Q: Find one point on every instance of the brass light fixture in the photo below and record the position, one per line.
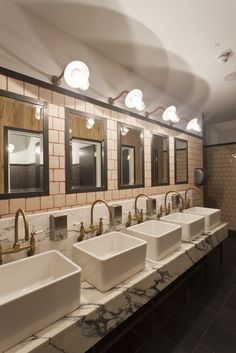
(192, 124)
(76, 75)
(133, 99)
(169, 113)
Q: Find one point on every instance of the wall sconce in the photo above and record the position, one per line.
(194, 125)
(169, 113)
(133, 99)
(76, 75)
(89, 123)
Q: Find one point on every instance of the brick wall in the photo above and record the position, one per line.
(56, 110)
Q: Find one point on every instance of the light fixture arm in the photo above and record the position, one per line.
(147, 114)
(181, 120)
(112, 100)
(56, 80)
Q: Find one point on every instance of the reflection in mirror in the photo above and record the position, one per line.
(181, 161)
(24, 147)
(85, 153)
(130, 157)
(160, 160)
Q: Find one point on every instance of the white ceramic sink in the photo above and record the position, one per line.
(212, 215)
(162, 238)
(35, 292)
(192, 225)
(110, 259)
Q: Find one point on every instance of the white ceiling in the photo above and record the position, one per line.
(171, 43)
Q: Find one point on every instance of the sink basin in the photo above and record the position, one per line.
(193, 225)
(34, 293)
(110, 259)
(212, 215)
(162, 238)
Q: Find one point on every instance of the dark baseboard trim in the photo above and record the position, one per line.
(49, 86)
(220, 144)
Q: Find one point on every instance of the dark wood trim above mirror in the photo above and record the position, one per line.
(180, 182)
(45, 191)
(68, 163)
(168, 160)
(120, 186)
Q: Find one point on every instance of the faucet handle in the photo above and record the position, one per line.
(168, 209)
(36, 232)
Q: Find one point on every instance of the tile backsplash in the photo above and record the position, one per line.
(40, 223)
(58, 199)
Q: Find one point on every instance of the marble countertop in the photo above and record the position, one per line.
(99, 312)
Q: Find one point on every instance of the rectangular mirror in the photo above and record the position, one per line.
(181, 161)
(24, 147)
(86, 166)
(130, 157)
(160, 160)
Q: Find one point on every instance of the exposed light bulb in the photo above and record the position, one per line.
(10, 148)
(76, 75)
(194, 125)
(37, 149)
(124, 130)
(37, 112)
(89, 123)
(134, 100)
(170, 114)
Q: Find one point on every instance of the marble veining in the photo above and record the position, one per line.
(99, 313)
(40, 221)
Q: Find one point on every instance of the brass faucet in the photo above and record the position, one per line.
(17, 246)
(92, 229)
(138, 215)
(187, 201)
(167, 209)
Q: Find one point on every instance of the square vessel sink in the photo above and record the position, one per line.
(34, 293)
(162, 238)
(110, 259)
(192, 225)
(212, 215)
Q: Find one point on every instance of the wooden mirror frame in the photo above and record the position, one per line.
(69, 190)
(180, 182)
(154, 183)
(44, 106)
(136, 186)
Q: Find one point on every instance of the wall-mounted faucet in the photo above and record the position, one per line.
(167, 209)
(92, 229)
(187, 201)
(17, 246)
(138, 215)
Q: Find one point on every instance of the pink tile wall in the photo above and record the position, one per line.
(56, 111)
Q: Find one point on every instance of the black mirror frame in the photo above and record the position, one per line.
(180, 182)
(81, 190)
(44, 106)
(168, 161)
(136, 186)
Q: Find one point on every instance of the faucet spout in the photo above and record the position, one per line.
(26, 225)
(92, 210)
(17, 247)
(136, 200)
(173, 192)
(187, 202)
